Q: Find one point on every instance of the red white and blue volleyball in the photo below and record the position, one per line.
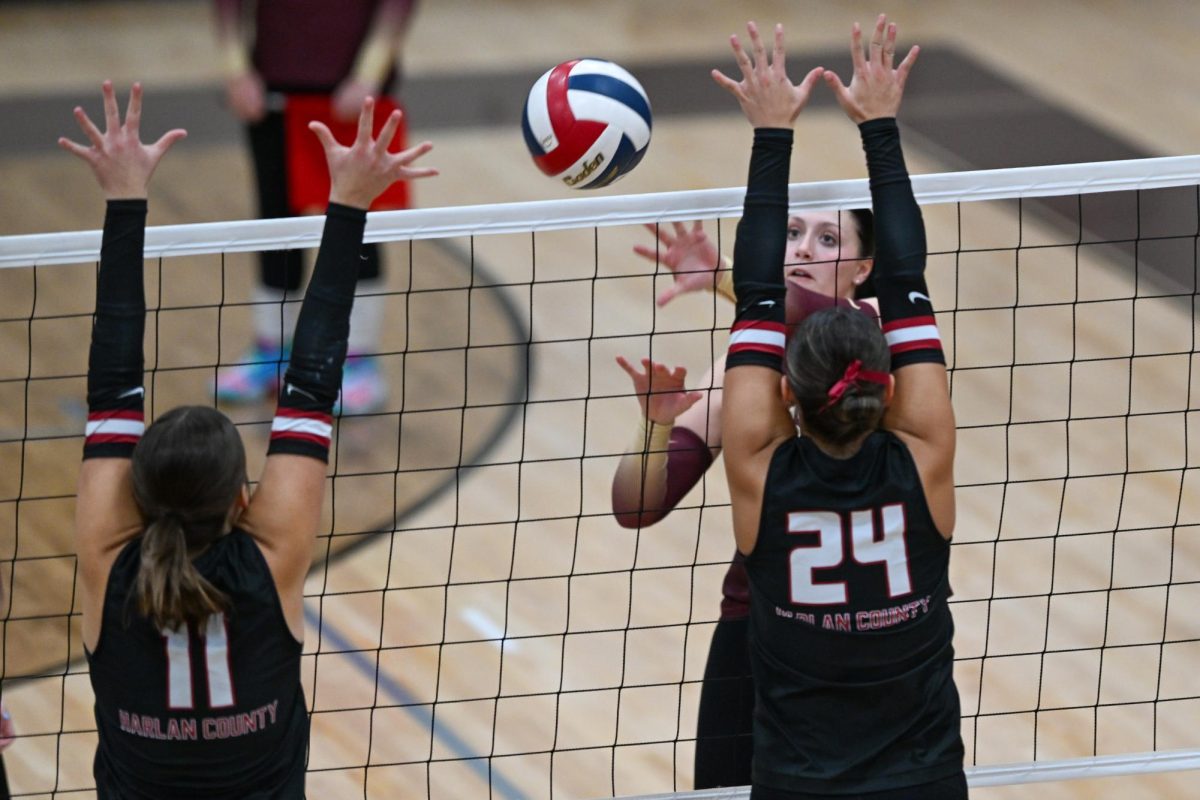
(587, 122)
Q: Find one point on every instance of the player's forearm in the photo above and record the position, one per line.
(115, 359)
(649, 483)
(302, 424)
(759, 248)
(758, 254)
(900, 250)
(900, 247)
(640, 482)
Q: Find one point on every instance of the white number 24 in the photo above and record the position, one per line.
(828, 552)
(216, 658)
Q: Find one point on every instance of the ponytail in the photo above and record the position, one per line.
(188, 471)
(170, 591)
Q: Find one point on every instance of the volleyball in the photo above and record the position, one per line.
(587, 122)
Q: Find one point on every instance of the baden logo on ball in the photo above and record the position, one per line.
(587, 122)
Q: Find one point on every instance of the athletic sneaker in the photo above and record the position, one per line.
(363, 387)
(255, 376)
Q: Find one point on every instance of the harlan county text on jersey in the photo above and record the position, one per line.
(860, 621)
(199, 728)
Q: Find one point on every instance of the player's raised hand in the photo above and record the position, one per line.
(767, 96)
(688, 253)
(876, 88)
(660, 390)
(359, 173)
(121, 163)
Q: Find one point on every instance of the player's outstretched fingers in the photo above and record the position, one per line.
(810, 80)
(133, 111)
(388, 132)
(112, 116)
(630, 369)
(366, 119)
(406, 157)
(670, 293)
(756, 46)
(856, 49)
(907, 64)
(725, 82)
(889, 46)
(324, 135)
(168, 140)
(89, 128)
(75, 149)
(877, 40)
(779, 55)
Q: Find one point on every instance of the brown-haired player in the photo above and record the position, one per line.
(845, 529)
(191, 586)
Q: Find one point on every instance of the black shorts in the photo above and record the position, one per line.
(725, 722)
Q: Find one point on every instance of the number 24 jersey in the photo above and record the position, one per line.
(850, 628)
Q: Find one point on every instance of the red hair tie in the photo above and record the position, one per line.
(853, 375)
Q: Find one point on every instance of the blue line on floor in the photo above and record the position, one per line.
(398, 694)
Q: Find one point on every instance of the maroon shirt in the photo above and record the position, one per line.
(307, 45)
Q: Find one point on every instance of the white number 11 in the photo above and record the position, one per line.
(216, 657)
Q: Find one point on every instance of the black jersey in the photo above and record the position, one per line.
(216, 713)
(850, 628)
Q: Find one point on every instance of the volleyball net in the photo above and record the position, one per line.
(479, 625)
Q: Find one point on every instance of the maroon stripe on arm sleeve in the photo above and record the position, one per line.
(688, 458)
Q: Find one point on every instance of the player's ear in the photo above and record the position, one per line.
(241, 503)
(889, 391)
(785, 392)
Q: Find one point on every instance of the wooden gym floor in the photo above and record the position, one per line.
(1029, 84)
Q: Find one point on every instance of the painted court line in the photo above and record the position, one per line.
(398, 694)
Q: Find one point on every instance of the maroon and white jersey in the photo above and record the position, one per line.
(212, 713)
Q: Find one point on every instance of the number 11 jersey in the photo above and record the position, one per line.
(850, 629)
(214, 713)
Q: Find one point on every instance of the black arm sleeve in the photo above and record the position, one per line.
(303, 422)
(115, 361)
(758, 253)
(900, 250)
(899, 228)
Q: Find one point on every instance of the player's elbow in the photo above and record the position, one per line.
(630, 514)
(637, 519)
(627, 519)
